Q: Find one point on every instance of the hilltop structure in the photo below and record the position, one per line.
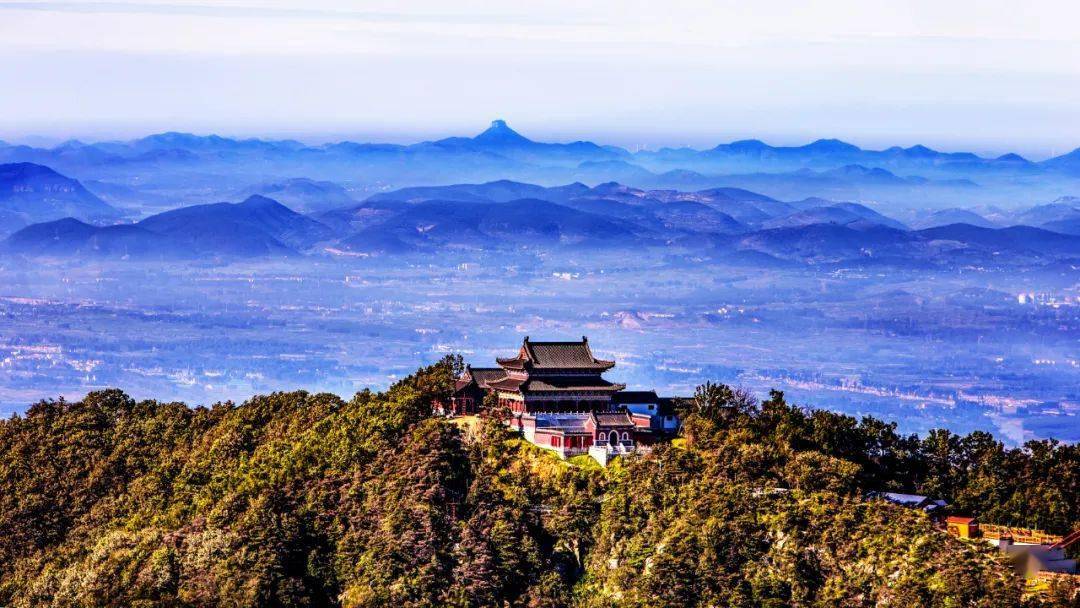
(559, 400)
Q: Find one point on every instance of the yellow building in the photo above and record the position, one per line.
(962, 527)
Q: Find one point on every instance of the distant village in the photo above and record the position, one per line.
(559, 400)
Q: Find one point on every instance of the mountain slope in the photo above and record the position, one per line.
(832, 242)
(70, 238)
(363, 215)
(495, 192)
(1066, 208)
(37, 193)
(500, 134)
(692, 216)
(1065, 226)
(1013, 238)
(1068, 163)
(467, 225)
(847, 214)
(747, 207)
(828, 241)
(304, 195)
(257, 226)
(944, 217)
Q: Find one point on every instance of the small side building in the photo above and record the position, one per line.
(931, 506)
(962, 527)
(649, 411)
(573, 433)
(469, 390)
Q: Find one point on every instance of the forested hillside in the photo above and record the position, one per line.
(294, 499)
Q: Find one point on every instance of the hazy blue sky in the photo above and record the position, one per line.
(989, 75)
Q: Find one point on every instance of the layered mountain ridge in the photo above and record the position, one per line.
(518, 217)
(256, 227)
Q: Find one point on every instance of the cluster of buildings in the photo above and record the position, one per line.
(1033, 553)
(559, 400)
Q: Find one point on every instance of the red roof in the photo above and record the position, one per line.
(955, 519)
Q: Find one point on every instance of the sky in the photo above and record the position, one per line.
(987, 75)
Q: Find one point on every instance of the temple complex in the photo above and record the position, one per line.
(559, 399)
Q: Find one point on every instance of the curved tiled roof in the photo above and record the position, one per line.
(507, 384)
(556, 383)
(613, 419)
(486, 375)
(512, 362)
(556, 355)
(566, 422)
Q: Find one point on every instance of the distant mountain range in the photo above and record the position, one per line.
(831, 152)
(501, 140)
(187, 167)
(801, 230)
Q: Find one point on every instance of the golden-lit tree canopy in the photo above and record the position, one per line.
(294, 499)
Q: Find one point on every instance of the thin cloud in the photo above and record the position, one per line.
(241, 12)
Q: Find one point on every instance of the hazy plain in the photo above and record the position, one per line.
(926, 348)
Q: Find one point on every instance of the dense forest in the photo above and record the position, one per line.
(298, 499)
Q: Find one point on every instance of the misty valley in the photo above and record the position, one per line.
(928, 288)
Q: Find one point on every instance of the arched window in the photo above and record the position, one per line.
(602, 436)
(625, 436)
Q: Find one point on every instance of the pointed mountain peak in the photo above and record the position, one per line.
(920, 150)
(500, 133)
(70, 144)
(1012, 157)
(258, 200)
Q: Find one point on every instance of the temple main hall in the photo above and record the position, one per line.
(558, 399)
